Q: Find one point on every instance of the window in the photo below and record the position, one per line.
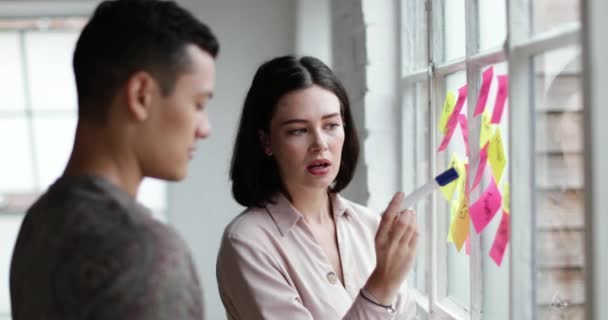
(37, 123)
(445, 46)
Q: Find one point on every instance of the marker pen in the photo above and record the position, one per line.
(439, 181)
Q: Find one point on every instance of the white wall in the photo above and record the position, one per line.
(312, 29)
(364, 47)
(250, 32)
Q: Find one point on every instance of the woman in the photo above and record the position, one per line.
(299, 250)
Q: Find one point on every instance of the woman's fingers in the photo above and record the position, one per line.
(389, 216)
(400, 226)
(413, 244)
(410, 227)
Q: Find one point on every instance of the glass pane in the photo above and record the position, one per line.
(17, 168)
(549, 14)
(152, 193)
(9, 227)
(414, 36)
(453, 29)
(496, 278)
(49, 59)
(417, 98)
(559, 185)
(12, 94)
(492, 24)
(458, 267)
(54, 137)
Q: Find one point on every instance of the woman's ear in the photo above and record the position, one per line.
(265, 142)
(140, 91)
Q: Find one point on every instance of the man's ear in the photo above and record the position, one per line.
(265, 142)
(140, 89)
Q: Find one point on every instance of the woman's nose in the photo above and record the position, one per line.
(319, 143)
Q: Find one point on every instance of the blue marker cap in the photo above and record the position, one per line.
(447, 177)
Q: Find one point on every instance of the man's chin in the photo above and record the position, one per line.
(175, 176)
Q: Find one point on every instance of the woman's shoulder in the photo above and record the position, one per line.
(252, 224)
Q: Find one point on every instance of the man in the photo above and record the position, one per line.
(145, 71)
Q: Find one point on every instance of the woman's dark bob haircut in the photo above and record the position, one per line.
(255, 176)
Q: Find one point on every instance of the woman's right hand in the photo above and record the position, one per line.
(396, 244)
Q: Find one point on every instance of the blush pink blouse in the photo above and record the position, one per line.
(271, 267)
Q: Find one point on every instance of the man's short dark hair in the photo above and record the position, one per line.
(255, 176)
(127, 36)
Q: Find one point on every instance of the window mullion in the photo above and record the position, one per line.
(29, 113)
(568, 35)
(595, 76)
(521, 150)
(64, 8)
(472, 47)
(438, 256)
(414, 77)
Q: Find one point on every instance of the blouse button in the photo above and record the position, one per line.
(332, 278)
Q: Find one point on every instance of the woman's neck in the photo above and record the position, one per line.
(314, 204)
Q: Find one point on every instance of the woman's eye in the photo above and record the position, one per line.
(333, 126)
(297, 132)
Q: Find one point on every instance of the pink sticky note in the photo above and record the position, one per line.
(447, 137)
(501, 97)
(483, 159)
(464, 128)
(483, 91)
(501, 240)
(467, 244)
(453, 120)
(484, 209)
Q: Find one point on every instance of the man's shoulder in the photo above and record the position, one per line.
(100, 250)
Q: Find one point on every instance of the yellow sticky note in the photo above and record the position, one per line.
(448, 108)
(453, 211)
(448, 189)
(506, 201)
(496, 156)
(462, 177)
(460, 225)
(487, 129)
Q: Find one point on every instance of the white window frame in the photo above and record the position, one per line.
(595, 71)
(518, 50)
(59, 9)
(523, 46)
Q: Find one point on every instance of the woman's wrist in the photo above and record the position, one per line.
(379, 291)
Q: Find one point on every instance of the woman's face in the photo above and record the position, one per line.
(306, 138)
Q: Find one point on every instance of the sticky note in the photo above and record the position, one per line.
(453, 119)
(499, 246)
(463, 172)
(454, 205)
(496, 155)
(464, 128)
(483, 158)
(460, 225)
(448, 108)
(447, 137)
(506, 200)
(484, 209)
(483, 91)
(448, 190)
(501, 97)
(487, 129)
